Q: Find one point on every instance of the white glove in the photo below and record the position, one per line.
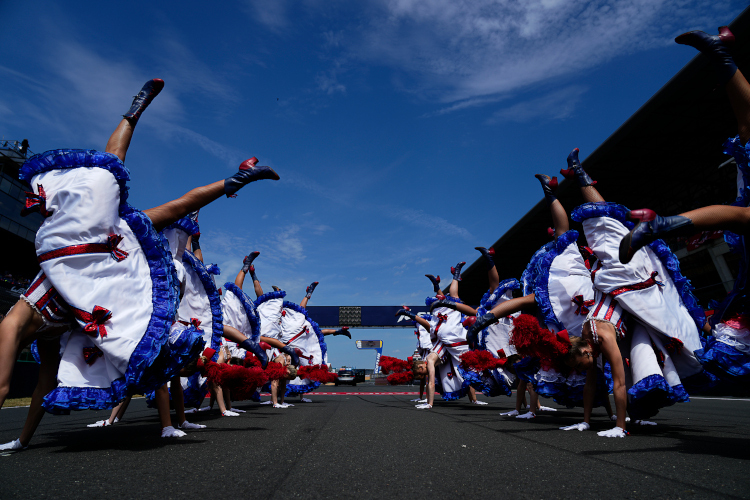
(477, 402)
(237, 410)
(205, 408)
(230, 413)
(305, 400)
(583, 426)
(14, 445)
(644, 422)
(615, 432)
(190, 410)
(188, 425)
(527, 416)
(287, 405)
(266, 403)
(546, 408)
(417, 400)
(613, 418)
(424, 406)
(509, 413)
(171, 432)
(100, 423)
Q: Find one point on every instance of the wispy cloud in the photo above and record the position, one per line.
(433, 223)
(461, 50)
(553, 106)
(230, 156)
(98, 82)
(474, 53)
(328, 83)
(271, 13)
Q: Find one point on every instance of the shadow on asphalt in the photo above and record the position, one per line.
(130, 437)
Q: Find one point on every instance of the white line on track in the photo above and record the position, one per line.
(722, 399)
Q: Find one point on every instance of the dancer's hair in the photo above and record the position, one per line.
(415, 367)
(292, 372)
(577, 345)
(511, 360)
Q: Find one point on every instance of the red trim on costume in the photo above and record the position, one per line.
(610, 311)
(91, 354)
(44, 299)
(304, 331)
(583, 305)
(441, 319)
(638, 286)
(456, 344)
(35, 284)
(588, 256)
(593, 273)
(439, 346)
(94, 320)
(673, 345)
(36, 203)
(109, 247)
(601, 303)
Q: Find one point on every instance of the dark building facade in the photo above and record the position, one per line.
(17, 254)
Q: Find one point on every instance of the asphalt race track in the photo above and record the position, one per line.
(369, 445)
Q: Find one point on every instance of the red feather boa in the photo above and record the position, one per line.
(480, 361)
(251, 360)
(531, 339)
(317, 373)
(275, 371)
(393, 365)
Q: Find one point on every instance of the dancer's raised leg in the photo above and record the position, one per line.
(575, 171)
(247, 263)
(119, 141)
(559, 217)
(651, 227)
(308, 293)
(492, 274)
(164, 215)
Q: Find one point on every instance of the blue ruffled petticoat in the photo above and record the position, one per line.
(293, 390)
(537, 278)
(652, 393)
(214, 299)
(725, 361)
(452, 396)
(143, 372)
(250, 309)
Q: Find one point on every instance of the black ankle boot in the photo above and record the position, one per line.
(141, 101)
(715, 47)
(549, 186)
(575, 169)
(651, 227)
(247, 173)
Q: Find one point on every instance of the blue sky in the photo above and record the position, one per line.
(405, 132)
